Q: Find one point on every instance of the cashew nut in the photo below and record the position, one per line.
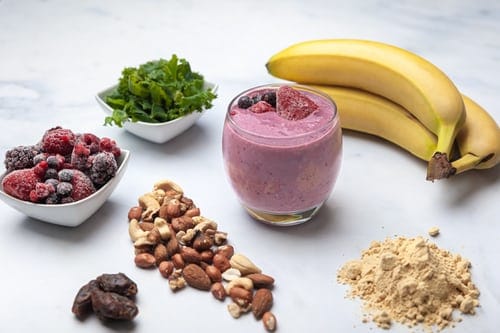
(150, 205)
(162, 226)
(167, 186)
(242, 282)
(134, 230)
(243, 264)
(202, 223)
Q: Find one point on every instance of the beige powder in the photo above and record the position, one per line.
(411, 281)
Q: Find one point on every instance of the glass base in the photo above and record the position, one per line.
(288, 219)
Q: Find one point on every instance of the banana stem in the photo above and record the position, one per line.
(466, 162)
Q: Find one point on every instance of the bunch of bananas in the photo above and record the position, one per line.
(399, 96)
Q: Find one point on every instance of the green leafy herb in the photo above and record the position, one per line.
(158, 91)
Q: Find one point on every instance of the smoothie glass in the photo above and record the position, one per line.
(281, 170)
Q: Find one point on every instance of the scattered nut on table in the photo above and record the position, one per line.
(169, 233)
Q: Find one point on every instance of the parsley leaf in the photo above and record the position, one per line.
(158, 91)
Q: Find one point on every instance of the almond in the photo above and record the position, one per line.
(261, 280)
(190, 255)
(196, 277)
(262, 302)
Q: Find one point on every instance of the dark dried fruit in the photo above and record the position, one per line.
(82, 305)
(109, 305)
(118, 283)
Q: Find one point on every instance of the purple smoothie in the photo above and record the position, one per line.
(280, 166)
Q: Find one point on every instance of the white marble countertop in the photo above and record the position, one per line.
(56, 55)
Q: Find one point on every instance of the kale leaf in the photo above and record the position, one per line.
(158, 91)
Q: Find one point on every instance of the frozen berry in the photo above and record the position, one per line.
(270, 97)
(52, 181)
(64, 189)
(20, 157)
(65, 175)
(66, 200)
(244, 102)
(41, 192)
(55, 161)
(89, 140)
(51, 173)
(256, 98)
(58, 140)
(103, 168)
(80, 156)
(19, 183)
(39, 157)
(261, 107)
(291, 104)
(52, 199)
(82, 185)
(41, 168)
(109, 145)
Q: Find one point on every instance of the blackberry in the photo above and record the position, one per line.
(244, 102)
(20, 157)
(270, 97)
(51, 173)
(65, 175)
(64, 189)
(103, 168)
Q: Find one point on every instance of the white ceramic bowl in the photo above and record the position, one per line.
(155, 132)
(70, 214)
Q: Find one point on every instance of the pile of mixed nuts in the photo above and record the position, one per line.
(170, 234)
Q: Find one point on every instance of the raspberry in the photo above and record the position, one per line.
(291, 104)
(103, 168)
(19, 183)
(41, 192)
(82, 185)
(41, 168)
(109, 145)
(20, 157)
(80, 156)
(89, 141)
(58, 140)
(261, 107)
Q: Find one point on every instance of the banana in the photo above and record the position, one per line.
(394, 73)
(478, 141)
(364, 112)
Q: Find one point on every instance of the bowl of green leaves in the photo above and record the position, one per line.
(157, 100)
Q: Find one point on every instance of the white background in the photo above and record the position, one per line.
(56, 55)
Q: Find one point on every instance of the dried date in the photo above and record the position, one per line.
(109, 296)
(118, 283)
(110, 305)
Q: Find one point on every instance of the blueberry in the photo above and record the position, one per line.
(270, 97)
(38, 158)
(52, 181)
(244, 102)
(65, 175)
(51, 173)
(53, 162)
(52, 199)
(257, 98)
(64, 189)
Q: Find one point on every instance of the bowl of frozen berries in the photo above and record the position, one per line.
(64, 178)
